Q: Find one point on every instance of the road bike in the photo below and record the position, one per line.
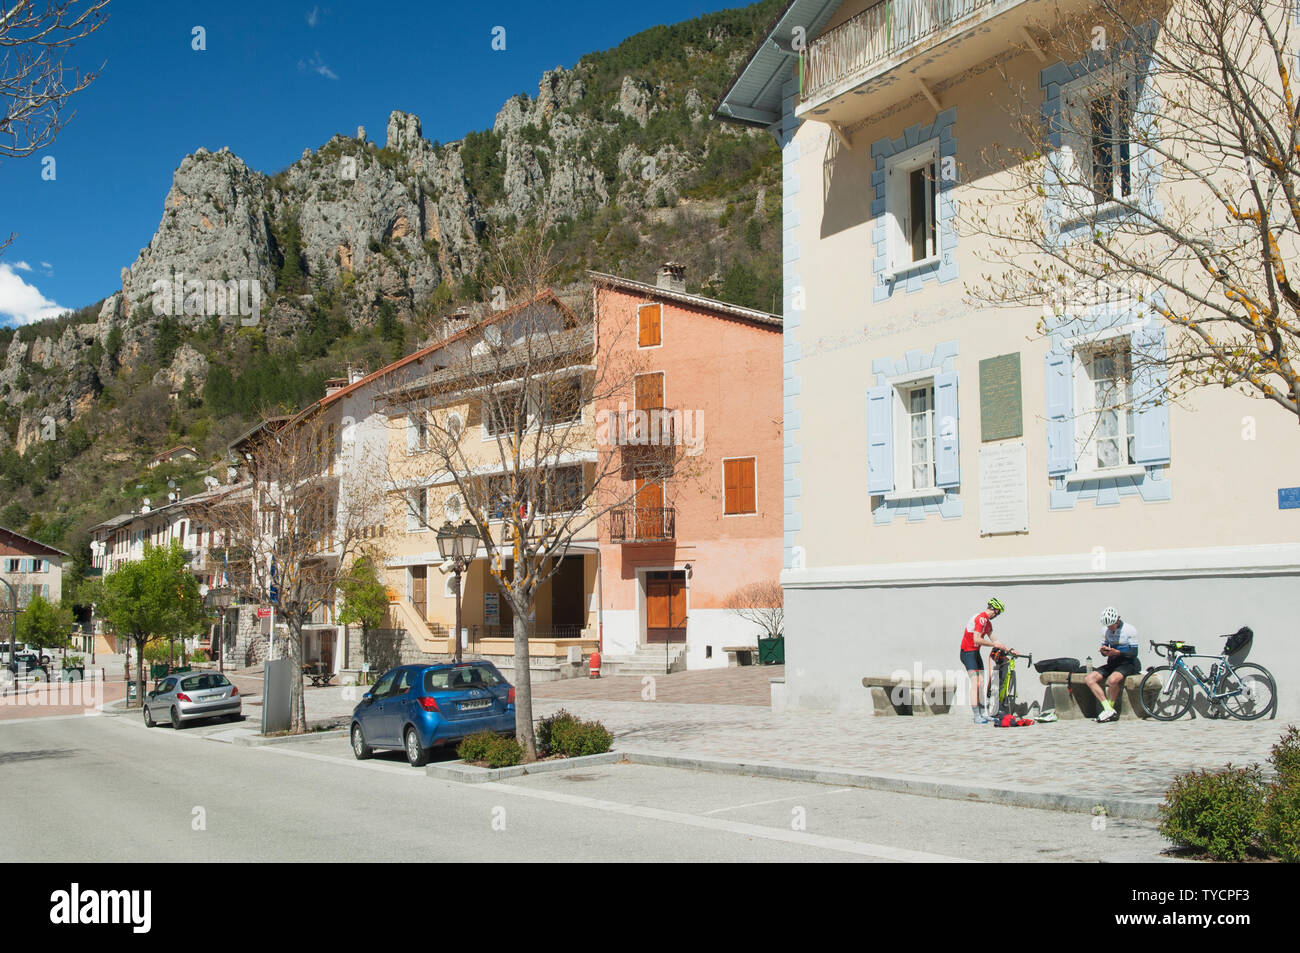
(1000, 692)
(1242, 690)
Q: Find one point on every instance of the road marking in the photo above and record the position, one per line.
(404, 770)
(802, 838)
(778, 800)
(89, 713)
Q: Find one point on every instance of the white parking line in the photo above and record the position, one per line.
(778, 800)
(802, 838)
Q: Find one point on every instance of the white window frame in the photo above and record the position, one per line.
(1076, 154)
(754, 511)
(485, 410)
(639, 309)
(898, 207)
(902, 386)
(1085, 448)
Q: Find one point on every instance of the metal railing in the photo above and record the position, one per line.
(537, 632)
(874, 35)
(642, 524)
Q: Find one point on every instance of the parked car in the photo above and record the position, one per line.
(420, 707)
(28, 663)
(192, 696)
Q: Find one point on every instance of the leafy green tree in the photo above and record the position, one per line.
(365, 598)
(153, 598)
(45, 625)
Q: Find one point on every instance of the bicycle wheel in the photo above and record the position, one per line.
(1166, 693)
(1249, 692)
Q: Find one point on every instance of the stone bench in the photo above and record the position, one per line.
(739, 655)
(893, 695)
(1066, 693)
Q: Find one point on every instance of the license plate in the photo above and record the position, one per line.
(471, 706)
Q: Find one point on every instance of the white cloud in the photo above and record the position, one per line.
(47, 267)
(313, 17)
(21, 303)
(22, 266)
(317, 65)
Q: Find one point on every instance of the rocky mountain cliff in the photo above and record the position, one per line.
(341, 256)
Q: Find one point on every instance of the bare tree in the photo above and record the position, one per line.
(533, 372)
(1169, 175)
(34, 84)
(313, 513)
(761, 603)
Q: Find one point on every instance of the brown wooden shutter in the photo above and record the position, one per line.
(747, 504)
(738, 485)
(731, 484)
(649, 390)
(648, 329)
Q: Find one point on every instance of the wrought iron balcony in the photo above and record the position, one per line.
(891, 32)
(642, 524)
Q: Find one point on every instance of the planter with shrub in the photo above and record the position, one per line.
(1235, 813)
(565, 735)
(490, 749)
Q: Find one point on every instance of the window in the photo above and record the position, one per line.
(501, 412)
(561, 402)
(11, 565)
(417, 510)
(738, 487)
(1105, 405)
(918, 403)
(649, 320)
(649, 391)
(1109, 119)
(911, 205)
(563, 490)
(912, 445)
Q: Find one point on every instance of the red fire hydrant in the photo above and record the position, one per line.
(595, 664)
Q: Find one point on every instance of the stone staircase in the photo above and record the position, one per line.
(648, 660)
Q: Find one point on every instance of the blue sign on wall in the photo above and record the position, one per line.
(1288, 498)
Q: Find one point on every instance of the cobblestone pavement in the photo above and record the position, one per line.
(742, 685)
(1129, 759)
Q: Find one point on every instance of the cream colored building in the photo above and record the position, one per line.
(938, 453)
(424, 495)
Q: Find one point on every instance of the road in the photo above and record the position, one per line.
(135, 794)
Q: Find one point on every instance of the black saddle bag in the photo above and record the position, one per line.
(1072, 665)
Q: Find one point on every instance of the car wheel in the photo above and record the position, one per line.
(360, 749)
(176, 718)
(148, 718)
(416, 755)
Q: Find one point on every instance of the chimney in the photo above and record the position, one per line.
(671, 277)
(335, 384)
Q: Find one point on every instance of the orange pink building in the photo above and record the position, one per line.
(672, 556)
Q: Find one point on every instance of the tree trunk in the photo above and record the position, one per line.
(523, 687)
(297, 703)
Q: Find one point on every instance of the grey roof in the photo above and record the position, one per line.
(754, 96)
(698, 301)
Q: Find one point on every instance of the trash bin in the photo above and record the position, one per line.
(133, 690)
(771, 651)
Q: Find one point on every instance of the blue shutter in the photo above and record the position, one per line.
(880, 439)
(947, 471)
(1060, 412)
(1150, 409)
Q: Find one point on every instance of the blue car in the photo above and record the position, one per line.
(420, 707)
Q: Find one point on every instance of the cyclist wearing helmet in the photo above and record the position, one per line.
(979, 631)
(1120, 648)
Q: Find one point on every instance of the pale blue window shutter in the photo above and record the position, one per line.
(411, 435)
(1150, 409)
(1060, 412)
(412, 506)
(947, 471)
(880, 439)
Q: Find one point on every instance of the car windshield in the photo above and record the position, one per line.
(467, 676)
(198, 683)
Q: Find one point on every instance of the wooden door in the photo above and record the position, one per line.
(665, 606)
(420, 590)
(649, 509)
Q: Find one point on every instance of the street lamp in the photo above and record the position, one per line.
(458, 544)
(220, 599)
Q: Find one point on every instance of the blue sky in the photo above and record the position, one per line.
(276, 77)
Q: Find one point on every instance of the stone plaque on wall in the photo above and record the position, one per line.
(1000, 407)
(1004, 496)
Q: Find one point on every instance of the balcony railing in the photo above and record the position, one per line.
(876, 34)
(642, 524)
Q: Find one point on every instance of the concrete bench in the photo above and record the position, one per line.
(739, 655)
(893, 695)
(1071, 698)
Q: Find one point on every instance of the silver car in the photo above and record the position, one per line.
(192, 696)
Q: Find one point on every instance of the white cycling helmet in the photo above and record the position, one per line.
(1110, 616)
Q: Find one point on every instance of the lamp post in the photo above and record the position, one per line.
(220, 599)
(458, 544)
